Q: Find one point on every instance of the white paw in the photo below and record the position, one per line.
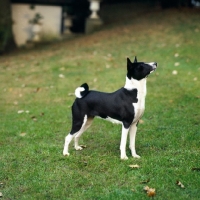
(66, 154)
(135, 156)
(78, 148)
(81, 147)
(124, 157)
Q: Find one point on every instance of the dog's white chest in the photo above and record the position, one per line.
(139, 107)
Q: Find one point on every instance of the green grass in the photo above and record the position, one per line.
(31, 162)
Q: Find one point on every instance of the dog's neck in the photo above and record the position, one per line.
(140, 85)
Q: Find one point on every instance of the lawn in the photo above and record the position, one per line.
(36, 94)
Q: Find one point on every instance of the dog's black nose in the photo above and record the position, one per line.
(155, 64)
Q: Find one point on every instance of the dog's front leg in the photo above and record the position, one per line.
(133, 130)
(123, 142)
(68, 139)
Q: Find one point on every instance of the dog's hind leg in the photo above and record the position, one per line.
(87, 123)
(133, 130)
(77, 128)
(68, 139)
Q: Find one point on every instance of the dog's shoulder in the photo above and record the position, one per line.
(128, 95)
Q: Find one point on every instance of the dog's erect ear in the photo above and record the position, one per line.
(135, 61)
(129, 64)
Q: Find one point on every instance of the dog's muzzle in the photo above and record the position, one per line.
(154, 66)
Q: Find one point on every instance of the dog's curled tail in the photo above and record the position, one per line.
(82, 91)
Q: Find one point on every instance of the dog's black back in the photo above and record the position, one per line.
(99, 104)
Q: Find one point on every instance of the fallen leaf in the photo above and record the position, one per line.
(15, 102)
(176, 55)
(20, 111)
(1, 195)
(61, 76)
(195, 79)
(176, 64)
(34, 118)
(180, 184)
(107, 66)
(196, 169)
(85, 163)
(174, 72)
(141, 121)
(146, 188)
(22, 134)
(37, 90)
(150, 191)
(134, 166)
(146, 181)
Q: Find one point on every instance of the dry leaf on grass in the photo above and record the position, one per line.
(176, 64)
(22, 134)
(150, 191)
(20, 111)
(176, 55)
(195, 79)
(196, 169)
(146, 181)
(34, 118)
(61, 76)
(180, 184)
(174, 72)
(134, 166)
(1, 195)
(141, 121)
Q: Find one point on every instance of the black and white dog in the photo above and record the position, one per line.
(125, 106)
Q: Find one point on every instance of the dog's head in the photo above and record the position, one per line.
(139, 70)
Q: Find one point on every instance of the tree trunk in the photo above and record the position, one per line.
(6, 36)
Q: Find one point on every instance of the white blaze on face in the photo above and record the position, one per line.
(153, 65)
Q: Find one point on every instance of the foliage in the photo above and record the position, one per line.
(6, 37)
(36, 96)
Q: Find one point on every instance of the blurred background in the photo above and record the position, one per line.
(26, 22)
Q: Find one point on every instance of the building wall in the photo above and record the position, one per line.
(22, 29)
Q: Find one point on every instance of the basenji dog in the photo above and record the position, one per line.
(125, 106)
